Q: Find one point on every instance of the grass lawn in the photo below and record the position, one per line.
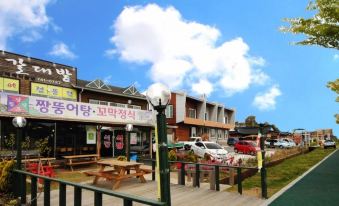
(280, 175)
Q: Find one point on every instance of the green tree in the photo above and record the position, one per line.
(334, 86)
(321, 29)
(251, 122)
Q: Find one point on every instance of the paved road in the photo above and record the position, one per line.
(319, 187)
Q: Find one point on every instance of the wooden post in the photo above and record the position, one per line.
(99, 140)
(231, 176)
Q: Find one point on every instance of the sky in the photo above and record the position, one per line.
(231, 51)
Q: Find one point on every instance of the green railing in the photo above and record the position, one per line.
(98, 192)
(197, 170)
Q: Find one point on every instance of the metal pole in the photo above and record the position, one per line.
(128, 146)
(18, 148)
(263, 168)
(18, 159)
(165, 192)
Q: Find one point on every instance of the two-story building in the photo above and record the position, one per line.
(189, 116)
(74, 116)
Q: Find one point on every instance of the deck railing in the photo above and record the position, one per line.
(98, 192)
(197, 171)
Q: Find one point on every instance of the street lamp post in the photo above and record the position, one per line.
(128, 128)
(262, 130)
(19, 123)
(158, 95)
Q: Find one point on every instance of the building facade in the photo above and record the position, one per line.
(189, 116)
(74, 116)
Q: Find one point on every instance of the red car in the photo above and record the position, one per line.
(246, 147)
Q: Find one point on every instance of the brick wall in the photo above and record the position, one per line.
(172, 102)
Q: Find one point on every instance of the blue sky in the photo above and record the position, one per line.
(232, 51)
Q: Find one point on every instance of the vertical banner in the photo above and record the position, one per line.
(91, 135)
(259, 155)
(119, 142)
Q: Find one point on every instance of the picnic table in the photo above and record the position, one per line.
(41, 161)
(41, 166)
(121, 170)
(72, 160)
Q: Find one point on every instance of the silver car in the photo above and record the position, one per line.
(329, 143)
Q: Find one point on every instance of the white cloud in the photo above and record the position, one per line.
(184, 53)
(22, 18)
(202, 87)
(267, 101)
(62, 50)
(336, 57)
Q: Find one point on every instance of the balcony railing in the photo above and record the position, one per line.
(98, 192)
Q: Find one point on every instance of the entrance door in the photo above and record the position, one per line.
(106, 143)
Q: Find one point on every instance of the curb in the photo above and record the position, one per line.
(291, 184)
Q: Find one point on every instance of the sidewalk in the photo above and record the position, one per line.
(319, 187)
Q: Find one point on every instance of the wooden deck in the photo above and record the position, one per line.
(180, 195)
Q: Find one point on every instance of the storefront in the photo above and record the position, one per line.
(50, 96)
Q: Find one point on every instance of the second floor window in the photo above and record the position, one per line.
(192, 113)
(113, 104)
(169, 111)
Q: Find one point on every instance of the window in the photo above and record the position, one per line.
(192, 113)
(169, 111)
(206, 116)
(103, 103)
(93, 101)
(213, 132)
(114, 104)
(134, 106)
(225, 120)
(193, 131)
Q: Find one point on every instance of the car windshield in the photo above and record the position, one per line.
(213, 146)
(328, 141)
(252, 144)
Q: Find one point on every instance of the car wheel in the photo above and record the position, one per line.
(280, 146)
(252, 153)
(236, 151)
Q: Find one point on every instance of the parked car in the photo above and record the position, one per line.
(203, 148)
(188, 144)
(246, 147)
(232, 140)
(290, 142)
(270, 142)
(329, 143)
(277, 143)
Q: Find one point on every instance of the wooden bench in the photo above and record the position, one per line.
(146, 170)
(73, 160)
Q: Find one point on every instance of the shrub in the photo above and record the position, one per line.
(6, 178)
(172, 155)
